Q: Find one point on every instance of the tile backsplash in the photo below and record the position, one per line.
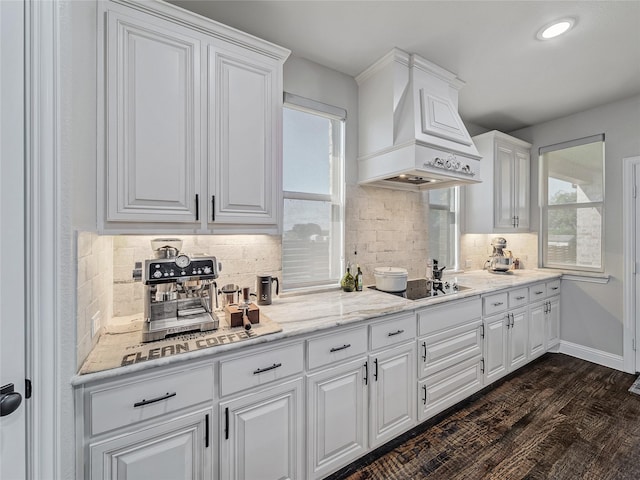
(386, 228)
(383, 227)
(95, 289)
(242, 257)
(475, 249)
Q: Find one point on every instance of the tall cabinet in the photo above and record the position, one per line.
(190, 121)
(501, 203)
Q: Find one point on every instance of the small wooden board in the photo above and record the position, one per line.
(233, 315)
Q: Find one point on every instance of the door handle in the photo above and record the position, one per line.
(10, 400)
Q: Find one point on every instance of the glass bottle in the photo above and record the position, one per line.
(348, 283)
(358, 279)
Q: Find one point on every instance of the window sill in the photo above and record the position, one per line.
(590, 277)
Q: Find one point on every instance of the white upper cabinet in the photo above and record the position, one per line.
(191, 126)
(501, 203)
(244, 118)
(152, 119)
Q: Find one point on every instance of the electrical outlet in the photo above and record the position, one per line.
(468, 263)
(96, 320)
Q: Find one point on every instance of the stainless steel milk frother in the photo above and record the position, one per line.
(264, 288)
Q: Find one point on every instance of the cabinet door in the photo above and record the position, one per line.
(495, 348)
(336, 417)
(503, 189)
(537, 330)
(152, 119)
(261, 435)
(553, 322)
(518, 338)
(245, 110)
(178, 449)
(393, 393)
(521, 191)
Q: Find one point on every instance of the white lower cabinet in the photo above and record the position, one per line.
(157, 424)
(261, 434)
(553, 322)
(304, 408)
(449, 355)
(176, 449)
(495, 348)
(392, 393)
(447, 387)
(506, 343)
(518, 338)
(337, 417)
(537, 330)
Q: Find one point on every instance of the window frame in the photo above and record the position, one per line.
(544, 206)
(336, 198)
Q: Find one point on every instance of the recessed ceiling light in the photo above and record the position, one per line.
(552, 30)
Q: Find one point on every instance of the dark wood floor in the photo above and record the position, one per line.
(557, 418)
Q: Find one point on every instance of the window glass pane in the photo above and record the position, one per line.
(309, 243)
(573, 206)
(307, 150)
(441, 197)
(313, 178)
(443, 226)
(575, 174)
(574, 237)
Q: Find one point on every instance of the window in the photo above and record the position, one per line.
(572, 204)
(444, 226)
(313, 179)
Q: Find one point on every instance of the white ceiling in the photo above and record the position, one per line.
(512, 79)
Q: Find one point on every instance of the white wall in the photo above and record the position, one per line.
(592, 314)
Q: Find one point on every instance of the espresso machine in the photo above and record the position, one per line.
(179, 292)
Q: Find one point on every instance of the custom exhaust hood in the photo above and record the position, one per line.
(411, 136)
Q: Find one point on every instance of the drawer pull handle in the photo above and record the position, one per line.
(554, 288)
(262, 370)
(520, 298)
(397, 332)
(144, 402)
(497, 304)
(424, 355)
(424, 397)
(343, 347)
(539, 293)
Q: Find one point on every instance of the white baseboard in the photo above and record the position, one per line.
(592, 355)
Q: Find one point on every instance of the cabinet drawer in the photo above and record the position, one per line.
(260, 368)
(336, 347)
(537, 292)
(448, 387)
(495, 303)
(393, 330)
(553, 287)
(447, 348)
(450, 314)
(123, 404)
(518, 298)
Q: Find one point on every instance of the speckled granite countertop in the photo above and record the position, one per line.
(304, 314)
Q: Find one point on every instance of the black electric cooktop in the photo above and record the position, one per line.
(422, 288)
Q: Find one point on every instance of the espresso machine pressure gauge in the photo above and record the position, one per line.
(182, 261)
